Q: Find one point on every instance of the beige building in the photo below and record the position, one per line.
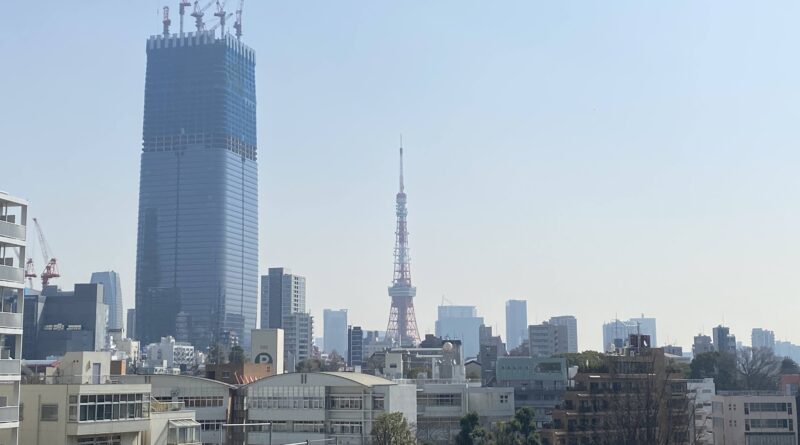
(754, 418)
(81, 404)
(290, 408)
(13, 232)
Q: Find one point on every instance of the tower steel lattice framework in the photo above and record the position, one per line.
(402, 328)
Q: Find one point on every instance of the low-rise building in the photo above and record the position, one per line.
(296, 407)
(701, 395)
(754, 418)
(171, 354)
(538, 383)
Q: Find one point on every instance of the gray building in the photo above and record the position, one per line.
(723, 340)
(516, 322)
(355, 346)
(298, 339)
(547, 340)
(112, 297)
(572, 330)
(282, 294)
(130, 324)
(539, 383)
(491, 348)
(64, 321)
(335, 331)
(617, 332)
(702, 345)
(762, 338)
(197, 246)
(462, 323)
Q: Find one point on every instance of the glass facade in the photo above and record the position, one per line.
(197, 250)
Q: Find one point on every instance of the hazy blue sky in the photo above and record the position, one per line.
(593, 157)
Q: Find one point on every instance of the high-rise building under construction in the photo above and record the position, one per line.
(197, 249)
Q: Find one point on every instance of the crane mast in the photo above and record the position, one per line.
(51, 268)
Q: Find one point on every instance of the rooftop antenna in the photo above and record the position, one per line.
(166, 21)
(402, 187)
(237, 25)
(221, 15)
(182, 5)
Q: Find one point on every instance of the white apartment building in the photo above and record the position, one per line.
(701, 395)
(754, 418)
(291, 408)
(171, 354)
(13, 232)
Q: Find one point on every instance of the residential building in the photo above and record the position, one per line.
(491, 348)
(572, 330)
(516, 322)
(112, 297)
(130, 324)
(61, 321)
(299, 407)
(355, 346)
(723, 340)
(538, 383)
(617, 332)
(169, 353)
(13, 235)
(787, 349)
(762, 338)
(282, 294)
(82, 404)
(461, 323)
(547, 340)
(754, 417)
(630, 398)
(298, 331)
(335, 331)
(702, 345)
(435, 358)
(197, 246)
(701, 395)
(676, 351)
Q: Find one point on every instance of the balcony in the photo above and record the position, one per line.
(14, 274)
(10, 320)
(10, 230)
(10, 367)
(9, 414)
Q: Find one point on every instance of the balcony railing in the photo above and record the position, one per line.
(10, 320)
(11, 230)
(9, 414)
(9, 273)
(9, 367)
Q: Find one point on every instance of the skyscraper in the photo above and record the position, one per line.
(282, 294)
(402, 328)
(762, 338)
(112, 296)
(547, 340)
(723, 340)
(572, 330)
(460, 323)
(355, 346)
(198, 219)
(516, 322)
(335, 331)
(130, 324)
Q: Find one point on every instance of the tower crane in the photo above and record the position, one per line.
(237, 25)
(198, 14)
(182, 5)
(221, 23)
(221, 15)
(30, 272)
(51, 269)
(166, 21)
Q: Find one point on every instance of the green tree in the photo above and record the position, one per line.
(789, 366)
(237, 355)
(392, 429)
(309, 365)
(471, 433)
(586, 361)
(519, 430)
(719, 366)
(758, 369)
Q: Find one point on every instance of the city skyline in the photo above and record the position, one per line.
(676, 192)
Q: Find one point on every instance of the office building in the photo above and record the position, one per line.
(130, 324)
(538, 383)
(282, 294)
(702, 345)
(298, 336)
(335, 331)
(62, 321)
(701, 395)
(617, 332)
(197, 247)
(547, 340)
(754, 417)
(462, 323)
(516, 322)
(355, 346)
(13, 235)
(266, 346)
(762, 338)
(723, 340)
(572, 330)
(169, 353)
(302, 407)
(491, 348)
(787, 349)
(112, 297)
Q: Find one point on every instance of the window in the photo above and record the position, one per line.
(377, 402)
(100, 440)
(346, 428)
(308, 427)
(49, 413)
(109, 407)
(503, 398)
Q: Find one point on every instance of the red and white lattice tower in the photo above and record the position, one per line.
(402, 329)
